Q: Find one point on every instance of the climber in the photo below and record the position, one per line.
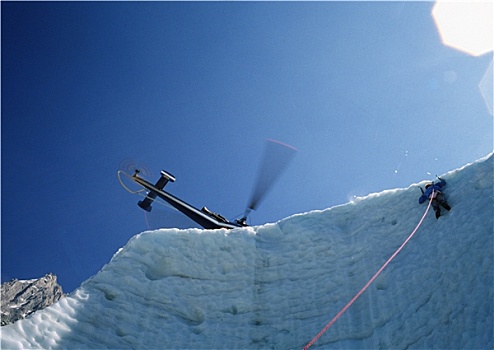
(434, 190)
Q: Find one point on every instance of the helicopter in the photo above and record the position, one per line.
(276, 157)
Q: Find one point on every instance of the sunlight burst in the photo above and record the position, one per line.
(486, 89)
(465, 26)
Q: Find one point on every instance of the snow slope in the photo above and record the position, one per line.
(277, 285)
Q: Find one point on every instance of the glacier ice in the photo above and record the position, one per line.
(277, 285)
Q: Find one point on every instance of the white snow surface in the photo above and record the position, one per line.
(277, 285)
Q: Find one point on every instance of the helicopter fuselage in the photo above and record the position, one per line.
(204, 217)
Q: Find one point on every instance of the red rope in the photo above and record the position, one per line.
(370, 281)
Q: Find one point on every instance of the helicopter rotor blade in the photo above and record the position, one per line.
(277, 156)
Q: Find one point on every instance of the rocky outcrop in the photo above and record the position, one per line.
(20, 298)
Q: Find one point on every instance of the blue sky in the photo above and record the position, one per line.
(365, 91)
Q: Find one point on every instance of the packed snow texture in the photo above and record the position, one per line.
(277, 285)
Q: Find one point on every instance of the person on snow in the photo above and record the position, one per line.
(434, 190)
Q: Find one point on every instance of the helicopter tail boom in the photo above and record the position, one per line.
(160, 184)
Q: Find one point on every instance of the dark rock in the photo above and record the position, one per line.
(22, 298)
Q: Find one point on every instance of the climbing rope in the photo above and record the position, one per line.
(372, 279)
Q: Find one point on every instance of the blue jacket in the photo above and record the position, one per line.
(428, 191)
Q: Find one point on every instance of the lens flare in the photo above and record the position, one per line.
(465, 25)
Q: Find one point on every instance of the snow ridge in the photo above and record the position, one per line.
(277, 285)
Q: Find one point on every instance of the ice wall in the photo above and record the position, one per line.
(277, 285)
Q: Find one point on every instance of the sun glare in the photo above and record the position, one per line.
(486, 89)
(465, 25)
